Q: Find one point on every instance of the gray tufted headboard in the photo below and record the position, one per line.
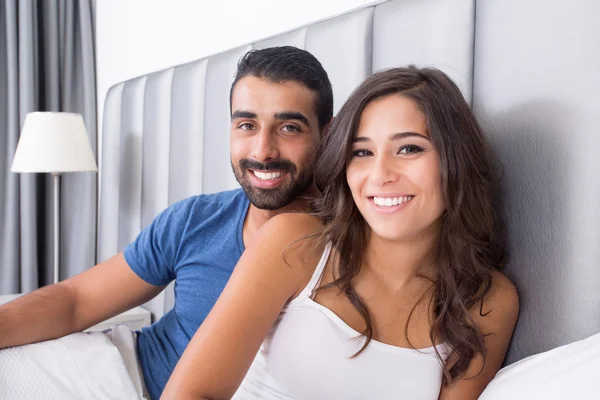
(529, 69)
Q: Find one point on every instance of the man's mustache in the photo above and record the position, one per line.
(275, 165)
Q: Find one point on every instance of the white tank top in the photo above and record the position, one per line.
(306, 356)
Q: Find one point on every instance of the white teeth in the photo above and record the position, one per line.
(265, 176)
(391, 201)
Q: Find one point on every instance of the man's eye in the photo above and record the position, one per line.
(410, 149)
(361, 153)
(246, 126)
(291, 129)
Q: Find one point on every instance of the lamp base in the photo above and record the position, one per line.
(56, 176)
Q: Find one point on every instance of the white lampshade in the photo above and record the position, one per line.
(53, 142)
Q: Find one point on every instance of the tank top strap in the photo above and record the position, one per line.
(316, 277)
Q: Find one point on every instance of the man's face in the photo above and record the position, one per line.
(274, 135)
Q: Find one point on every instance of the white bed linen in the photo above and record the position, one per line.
(568, 372)
(76, 367)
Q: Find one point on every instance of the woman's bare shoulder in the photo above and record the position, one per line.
(296, 237)
(292, 226)
(503, 291)
(500, 304)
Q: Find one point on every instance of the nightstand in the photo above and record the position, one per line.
(135, 319)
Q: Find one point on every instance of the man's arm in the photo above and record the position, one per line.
(75, 304)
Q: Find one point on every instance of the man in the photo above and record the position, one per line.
(281, 100)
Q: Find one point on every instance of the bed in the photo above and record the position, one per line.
(530, 71)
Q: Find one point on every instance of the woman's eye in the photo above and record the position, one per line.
(361, 153)
(291, 129)
(410, 149)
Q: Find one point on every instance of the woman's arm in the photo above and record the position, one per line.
(502, 303)
(222, 350)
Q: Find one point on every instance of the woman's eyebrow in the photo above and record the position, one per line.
(393, 136)
(402, 135)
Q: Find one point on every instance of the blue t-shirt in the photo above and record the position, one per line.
(197, 242)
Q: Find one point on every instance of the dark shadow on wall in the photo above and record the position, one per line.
(536, 152)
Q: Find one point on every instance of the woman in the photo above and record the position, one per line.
(391, 290)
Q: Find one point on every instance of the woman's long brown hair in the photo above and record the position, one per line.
(469, 246)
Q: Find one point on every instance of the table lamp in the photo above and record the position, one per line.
(55, 143)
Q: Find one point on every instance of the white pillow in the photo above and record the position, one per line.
(569, 372)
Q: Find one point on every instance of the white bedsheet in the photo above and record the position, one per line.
(76, 367)
(567, 372)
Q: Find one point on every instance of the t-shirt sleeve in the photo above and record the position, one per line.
(153, 254)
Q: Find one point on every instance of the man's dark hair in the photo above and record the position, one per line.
(288, 63)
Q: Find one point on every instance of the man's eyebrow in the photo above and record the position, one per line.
(242, 114)
(393, 136)
(293, 115)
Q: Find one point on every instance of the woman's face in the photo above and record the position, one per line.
(394, 171)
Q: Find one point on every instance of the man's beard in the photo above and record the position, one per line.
(277, 197)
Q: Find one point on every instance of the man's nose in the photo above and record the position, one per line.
(265, 146)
